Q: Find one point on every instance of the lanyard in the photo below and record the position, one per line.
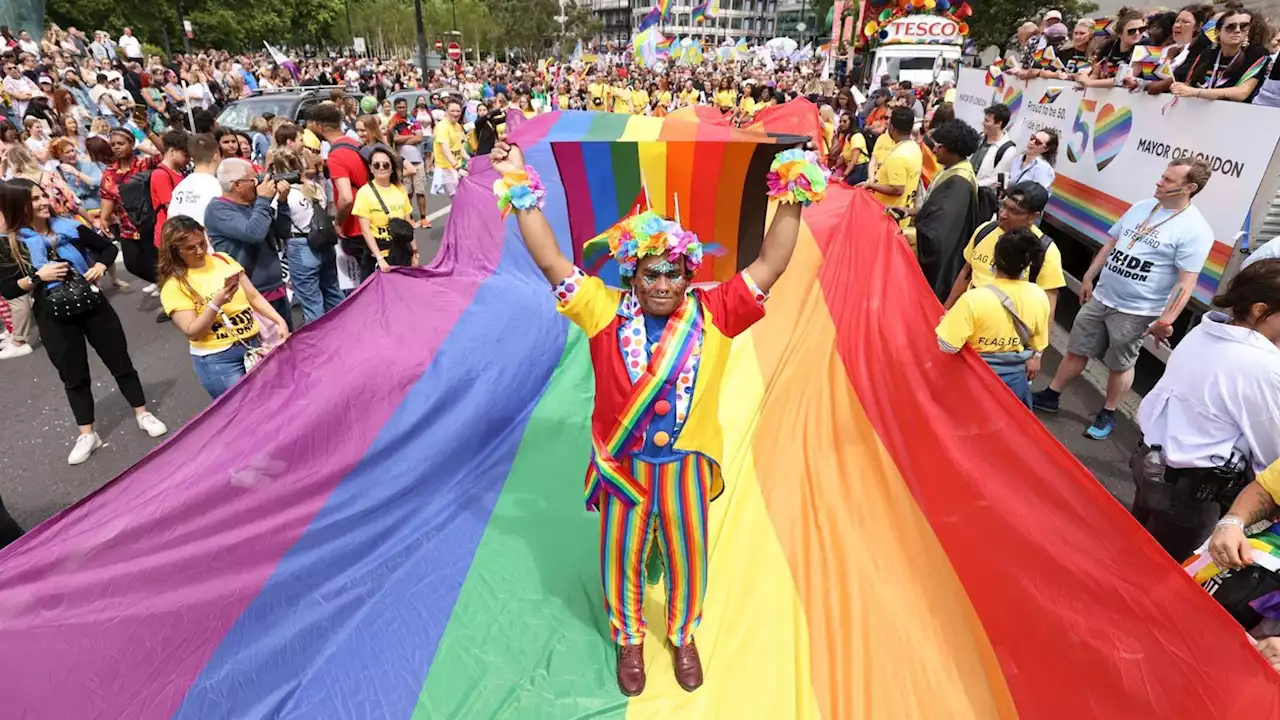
(1144, 229)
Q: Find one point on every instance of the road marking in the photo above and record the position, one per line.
(439, 213)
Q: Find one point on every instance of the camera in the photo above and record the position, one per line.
(293, 178)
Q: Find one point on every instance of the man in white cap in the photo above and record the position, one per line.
(1053, 17)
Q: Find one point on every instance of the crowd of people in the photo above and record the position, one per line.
(106, 152)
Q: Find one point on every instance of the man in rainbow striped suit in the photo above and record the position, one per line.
(658, 352)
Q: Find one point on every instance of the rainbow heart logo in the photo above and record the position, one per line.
(1109, 133)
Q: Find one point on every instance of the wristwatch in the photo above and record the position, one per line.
(1037, 354)
(34, 277)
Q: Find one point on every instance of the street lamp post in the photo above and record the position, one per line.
(422, 37)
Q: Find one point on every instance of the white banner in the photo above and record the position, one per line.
(1114, 145)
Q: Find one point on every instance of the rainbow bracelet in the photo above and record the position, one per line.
(796, 177)
(520, 190)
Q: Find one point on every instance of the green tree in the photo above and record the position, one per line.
(994, 22)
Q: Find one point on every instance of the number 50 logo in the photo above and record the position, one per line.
(1109, 132)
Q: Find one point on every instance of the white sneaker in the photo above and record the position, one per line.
(10, 350)
(152, 425)
(85, 445)
(149, 289)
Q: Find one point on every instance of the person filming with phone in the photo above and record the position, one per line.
(210, 300)
(243, 225)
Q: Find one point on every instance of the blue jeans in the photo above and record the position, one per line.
(219, 371)
(1011, 368)
(315, 278)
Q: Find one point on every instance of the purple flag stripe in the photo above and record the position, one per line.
(143, 579)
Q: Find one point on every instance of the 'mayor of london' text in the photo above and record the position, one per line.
(1225, 166)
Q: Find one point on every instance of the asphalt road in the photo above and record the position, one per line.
(38, 430)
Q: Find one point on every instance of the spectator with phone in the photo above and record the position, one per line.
(243, 225)
(57, 261)
(210, 300)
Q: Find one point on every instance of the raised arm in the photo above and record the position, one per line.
(778, 246)
(534, 228)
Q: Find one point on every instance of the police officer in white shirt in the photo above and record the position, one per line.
(1145, 275)
(1213, 420)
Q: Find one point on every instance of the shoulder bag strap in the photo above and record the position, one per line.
(1024, 332)
(374, 188)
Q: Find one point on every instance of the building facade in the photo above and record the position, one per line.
(753, 19)
(791, 14)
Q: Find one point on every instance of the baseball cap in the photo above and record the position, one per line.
(45, 80)
(1030, 195)
(1053, 15)
(1057, 31)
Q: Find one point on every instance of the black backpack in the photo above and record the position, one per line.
(989, 197)
(135, 196)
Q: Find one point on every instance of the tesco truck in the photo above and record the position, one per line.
(919, 48)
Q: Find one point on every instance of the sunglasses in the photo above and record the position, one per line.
(1136, 31)
(380, 166)
(1236, 27)
(1035, 141)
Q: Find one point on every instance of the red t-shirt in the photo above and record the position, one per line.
(345, 161)
(163, 181)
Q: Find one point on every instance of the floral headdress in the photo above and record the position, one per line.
(648, 233)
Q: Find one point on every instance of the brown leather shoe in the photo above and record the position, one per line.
(631, 669)
(688, 667)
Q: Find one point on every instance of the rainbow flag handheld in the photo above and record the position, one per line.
(1047, 59)
(1102, 27)
(650, 19)
(699, 12)
(1210, 29)
(664, 9)
(1145, 62)
(424, 553)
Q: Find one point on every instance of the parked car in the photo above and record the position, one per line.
(290, 102)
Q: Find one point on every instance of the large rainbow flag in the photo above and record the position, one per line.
(385, 520)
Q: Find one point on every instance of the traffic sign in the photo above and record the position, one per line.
(455, 51)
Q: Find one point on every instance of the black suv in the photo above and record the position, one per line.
(290, 102)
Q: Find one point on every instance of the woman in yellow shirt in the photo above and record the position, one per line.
(639, 99)
(210, 300)
(661, 95)
(1005, 322)
(621, 98)
(377, 203)
(726, 96)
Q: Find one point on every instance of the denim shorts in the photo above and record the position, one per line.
(219, 371)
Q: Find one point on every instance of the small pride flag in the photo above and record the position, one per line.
(1047, 59)
(699, 13)
(1210, 30)
(1145, 62)
(1050, 95)
(1102, 27)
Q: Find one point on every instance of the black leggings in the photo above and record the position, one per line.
(65, 341)
(140, 258)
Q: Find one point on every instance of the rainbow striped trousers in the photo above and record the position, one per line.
(674, 513)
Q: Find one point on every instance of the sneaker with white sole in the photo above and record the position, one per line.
(149, 289)
(85, 445)
(12, 350)
(152, 425)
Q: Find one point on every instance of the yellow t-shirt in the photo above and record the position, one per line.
(639, 102)
(621, 100)
(207, 281)
(982, 255)
(980, 320)
(884, 145)
(1269, 479)
(900, 167)
(747, 105)
(726, 99)
(856, 142)
(598, 96)
(367, 206)
(689, 97)
(562, 101)
(447, 134)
